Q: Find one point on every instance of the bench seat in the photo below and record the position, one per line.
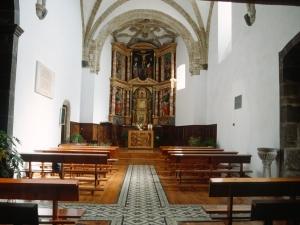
(223, 208)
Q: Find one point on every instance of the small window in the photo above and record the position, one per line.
(238, 102)
(63, 115)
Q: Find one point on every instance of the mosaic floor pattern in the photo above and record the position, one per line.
(142, 201)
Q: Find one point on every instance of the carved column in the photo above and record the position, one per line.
(127, 103)
(122, 95)
(113, 101)
(172, 65)
(114, 66)
(123, 75)
(159, 106)
(162, 70)
(128, 67)
(157, 68)
(156, 103)
(171, 101)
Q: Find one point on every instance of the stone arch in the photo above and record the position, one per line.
(196, 56)
(66, 130)
(289, 81)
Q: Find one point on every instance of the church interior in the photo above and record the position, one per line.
(129, 78)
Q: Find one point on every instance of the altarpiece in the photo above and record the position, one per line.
(143, 84)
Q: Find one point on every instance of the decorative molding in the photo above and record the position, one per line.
(11, 29)
(250, 15)
(41, 10)
(137, 81)
(143, 46)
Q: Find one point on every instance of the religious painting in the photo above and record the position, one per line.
(142, 64)
(119, 65)
(167, 66)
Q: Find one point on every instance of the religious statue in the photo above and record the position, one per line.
(165, 103)
(118, 102)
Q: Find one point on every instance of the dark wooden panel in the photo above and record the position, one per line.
(74, 128)
(86, 130)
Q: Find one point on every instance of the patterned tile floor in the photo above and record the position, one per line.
(142, 201)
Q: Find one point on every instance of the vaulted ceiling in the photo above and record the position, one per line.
(156, 22)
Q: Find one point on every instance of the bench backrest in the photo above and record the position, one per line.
(65, 158)
(247, 187)
(201, 152)
(210, 158)
(75, 151)
(165, 151)
(39, 189)
(113, 149)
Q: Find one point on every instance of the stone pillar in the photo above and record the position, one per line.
(9, 38)
(267, 155)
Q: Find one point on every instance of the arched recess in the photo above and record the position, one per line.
(94, 47)
(65, 132)
(289, 70)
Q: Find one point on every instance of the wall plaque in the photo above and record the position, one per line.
(44, 80)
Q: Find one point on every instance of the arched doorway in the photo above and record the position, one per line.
(289, 75)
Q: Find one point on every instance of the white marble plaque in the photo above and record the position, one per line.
(44, 80)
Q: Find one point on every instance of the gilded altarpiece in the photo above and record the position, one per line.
(143, 84)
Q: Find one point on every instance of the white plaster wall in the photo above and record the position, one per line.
(102, 84)
(190, 97)
(251, 70)
(87, 96)
(56, 42)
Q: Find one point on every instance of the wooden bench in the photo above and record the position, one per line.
(68, 158)
(168, 153)
(248, 187)
(108, 165)
(44, 189)
(269, 210)
(208, 164)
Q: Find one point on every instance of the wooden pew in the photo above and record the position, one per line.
(108, 166)
(44, 189)
(68, 158)
(249, 187)
(208, 164)
(169, 153)
(269, 210)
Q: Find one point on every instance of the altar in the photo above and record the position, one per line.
(140, 138)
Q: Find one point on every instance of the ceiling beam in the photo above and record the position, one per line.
(263, 2)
